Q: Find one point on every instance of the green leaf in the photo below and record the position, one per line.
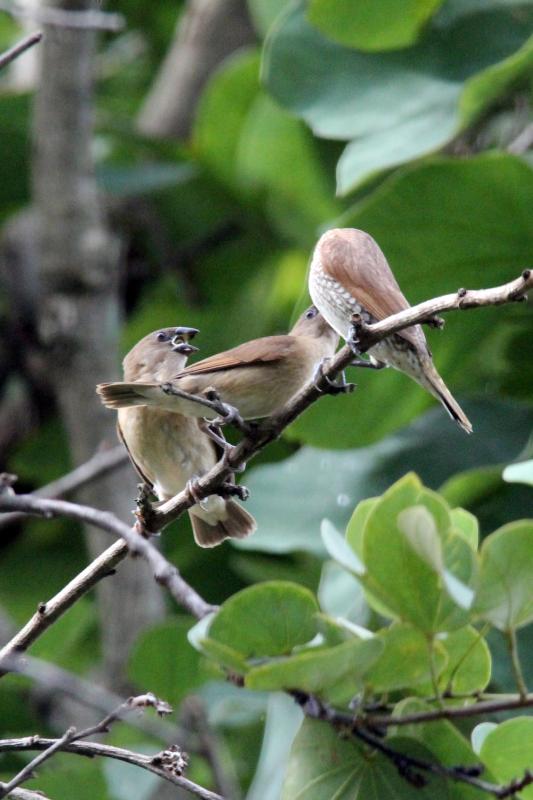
(264, 12)
(480, 733)
(278, 156)
(125, 782)
(140, 179)
(317, 669)
(472, 486)
(507, 751)
(283, 719)
(519, 473)
(176, 670)
(466, 524)
(226, 656)
(223, 107)
(468, 662)
(340, 594)
(339, 549)
(504, 595)
(356, 525)
(269, 619)
(371, 24)
(404, 574)
(368, 97)
(404, 662)
(323, 766)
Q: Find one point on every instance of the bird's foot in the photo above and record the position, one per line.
(362, 362)
(229, 489)
(192, 487)
(226, 459)
(339, 386)
(228, 414)
(212, 429)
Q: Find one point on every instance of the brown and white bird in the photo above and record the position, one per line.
(167, 449)
(257, 377)
(349, 274)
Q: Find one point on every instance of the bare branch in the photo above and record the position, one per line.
(26, 794)
(56, 679)
(17, 50)
(63, 18)
(95, 749)
(47, 613)
(168, 764)
(164, 572)
(368, 335)
(97, 466)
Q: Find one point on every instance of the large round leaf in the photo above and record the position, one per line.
(507, 751)
(394, 106)
(504, 594)
(266, 620)
(322, 766)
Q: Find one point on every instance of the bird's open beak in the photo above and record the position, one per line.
(183, 347)
(185, 333)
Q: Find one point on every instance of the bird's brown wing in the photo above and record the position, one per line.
(136, 467)
(268, 350)
(354, 259)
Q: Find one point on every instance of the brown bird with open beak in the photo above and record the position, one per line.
(350, 275)
(167, 449)
(257, 377)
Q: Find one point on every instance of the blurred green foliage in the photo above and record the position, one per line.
(334, 118)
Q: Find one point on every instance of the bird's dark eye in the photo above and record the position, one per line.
(163, 337)
(311, 312)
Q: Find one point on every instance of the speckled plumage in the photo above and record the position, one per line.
(349, 274)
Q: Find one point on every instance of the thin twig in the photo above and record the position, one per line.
(96, 749)
(26, 794)
(171, 760)
(67, 18)
(97, 466)
(164, 572)
(21, 47)
(55, 679)
(47, 613)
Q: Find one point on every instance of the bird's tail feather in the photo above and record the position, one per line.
(126, 395)
(434, 383)
(237, 525)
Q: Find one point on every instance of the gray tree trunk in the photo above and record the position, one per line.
(79, 311)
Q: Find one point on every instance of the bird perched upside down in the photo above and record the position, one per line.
(350, 275)
(257, 377)
(167, 449)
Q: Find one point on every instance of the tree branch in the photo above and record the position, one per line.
(167, 764)
(21, 47)
(368, 335)
(56, 680)
(97, 466)
(131, 540)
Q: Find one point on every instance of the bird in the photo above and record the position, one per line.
(348, 275)
(257, 378)
(169, 450)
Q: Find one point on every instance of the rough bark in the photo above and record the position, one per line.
(79, 311)
(207, 32)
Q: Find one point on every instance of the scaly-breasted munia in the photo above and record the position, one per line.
(349, 275)
(167, 449)
(257, 378)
